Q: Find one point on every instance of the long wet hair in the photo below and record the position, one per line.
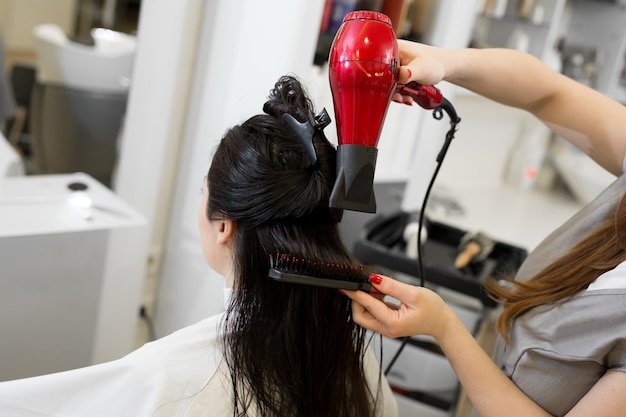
(599, 252)
(291, 350)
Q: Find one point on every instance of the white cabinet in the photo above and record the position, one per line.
(61, 273)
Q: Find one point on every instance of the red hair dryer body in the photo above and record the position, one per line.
(363, 73)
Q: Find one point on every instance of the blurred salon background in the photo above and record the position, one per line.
(110, 110)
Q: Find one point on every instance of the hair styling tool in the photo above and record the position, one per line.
(297, 270)
(305, 131)
(473, 247)
(363, 74)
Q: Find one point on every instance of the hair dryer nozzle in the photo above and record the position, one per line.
(354, 186)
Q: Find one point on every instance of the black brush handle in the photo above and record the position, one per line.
(318, 282)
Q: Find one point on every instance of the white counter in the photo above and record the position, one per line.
(508, 214)
(44, 204)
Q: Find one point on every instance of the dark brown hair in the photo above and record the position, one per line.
(291, 349)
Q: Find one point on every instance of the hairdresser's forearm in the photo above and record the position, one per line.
(503, 75)
(490, 391)
(588, 119)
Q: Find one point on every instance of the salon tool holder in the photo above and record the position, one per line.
(474, 248)
(382, 243)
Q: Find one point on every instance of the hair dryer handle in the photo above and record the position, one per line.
(427, 96)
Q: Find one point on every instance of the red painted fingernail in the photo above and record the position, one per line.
(376, 279)
(342, 292)
(410, 73)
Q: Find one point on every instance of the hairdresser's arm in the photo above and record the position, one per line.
(492, 393)
(593, 122)
(423, 312)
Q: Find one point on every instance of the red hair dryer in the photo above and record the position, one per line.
(363, 73)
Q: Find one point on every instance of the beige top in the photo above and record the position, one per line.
(211, 400)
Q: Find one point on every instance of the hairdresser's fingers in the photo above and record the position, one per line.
(375, 294)
(422, 70)
(392, 305)
(400, 98)
(405, 293)
(387, 319)
(407, 51)
(405, 74)
(361, 313)
(421, 63)
(421, 311)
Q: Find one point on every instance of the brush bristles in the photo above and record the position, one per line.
(297, 265)
(293, 269)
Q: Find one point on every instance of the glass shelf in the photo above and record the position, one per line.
(545, 24)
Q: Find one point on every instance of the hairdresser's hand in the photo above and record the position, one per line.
(420, 312)
(424, 64)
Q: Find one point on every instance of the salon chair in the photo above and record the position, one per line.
(74, 130)
(22, 77)
(79, 101)
(7, 101)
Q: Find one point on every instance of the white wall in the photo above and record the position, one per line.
(243, 48)
(479, 154)
(155, 122)
(452, 26)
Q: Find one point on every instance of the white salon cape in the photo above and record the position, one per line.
(162, 378)
(182, 374)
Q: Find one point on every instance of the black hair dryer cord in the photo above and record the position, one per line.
(447, 107)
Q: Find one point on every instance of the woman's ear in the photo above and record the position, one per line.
(226, 231)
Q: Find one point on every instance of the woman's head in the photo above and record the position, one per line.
(291, 349)
(261, 179)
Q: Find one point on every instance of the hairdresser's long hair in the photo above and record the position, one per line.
(599, 252)
(291, 350)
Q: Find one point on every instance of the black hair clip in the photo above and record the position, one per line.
(305, 131)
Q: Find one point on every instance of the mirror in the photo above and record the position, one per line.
(67, 70)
